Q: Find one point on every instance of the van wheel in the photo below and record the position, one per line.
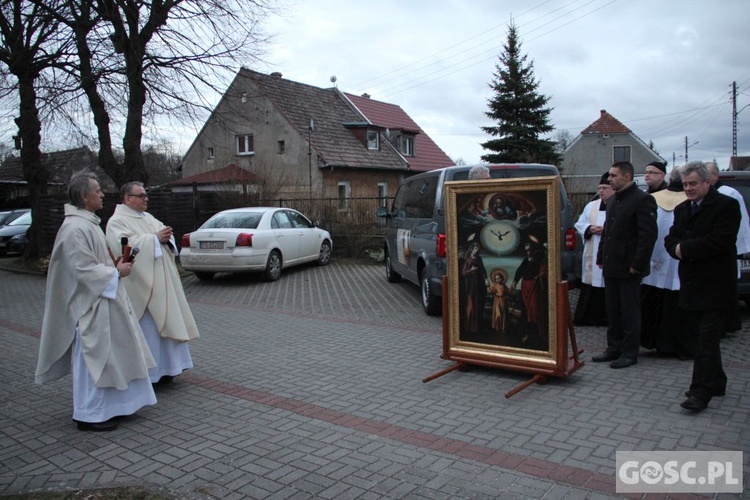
(432, 304)
(391, 275)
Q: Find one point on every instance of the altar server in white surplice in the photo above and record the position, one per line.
(734, 320)
(154, 286)
(664, 325)
(88, 323)
(590, 309)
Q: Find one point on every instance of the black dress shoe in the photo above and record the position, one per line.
(606, 356)
(109, 425)
(694, 404)
(718, 394)
(623, 363)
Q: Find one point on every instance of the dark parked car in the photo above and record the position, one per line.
(13, 238)
(8, 216)
(415, 238)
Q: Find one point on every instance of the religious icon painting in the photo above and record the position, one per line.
(504, 249)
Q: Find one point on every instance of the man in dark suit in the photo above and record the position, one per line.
(625, 248)
(703, 238)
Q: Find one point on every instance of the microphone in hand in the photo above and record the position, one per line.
(133, 253)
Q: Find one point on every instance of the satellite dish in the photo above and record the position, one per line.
(333, 78)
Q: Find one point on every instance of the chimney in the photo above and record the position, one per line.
(366, 95)
(276, 74)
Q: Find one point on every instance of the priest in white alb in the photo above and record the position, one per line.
(154, 286)
(88, 324)
(590, 309)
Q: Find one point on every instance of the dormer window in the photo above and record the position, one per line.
(406, 145)
(373, 139)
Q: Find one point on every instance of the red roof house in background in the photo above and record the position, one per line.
(425, 154)
(301, 140)
(598, 146)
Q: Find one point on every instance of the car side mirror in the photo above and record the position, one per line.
(382, 212)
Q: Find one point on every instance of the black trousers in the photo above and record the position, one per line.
(622, 297)
(709, 378)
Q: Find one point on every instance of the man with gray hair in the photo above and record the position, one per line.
(703, 239)
(88, 322)
(479, 172)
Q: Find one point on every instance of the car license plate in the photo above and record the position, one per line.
(745, 265)
(212, 245)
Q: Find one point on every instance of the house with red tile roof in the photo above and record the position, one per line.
(229, 178)
(304, 139)
(597, 147)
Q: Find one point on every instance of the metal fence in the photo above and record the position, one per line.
(352, 222)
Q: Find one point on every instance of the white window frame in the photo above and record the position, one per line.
(373, 139)
(406, 145)
(382, 193)
(243, 142)
(344, 202)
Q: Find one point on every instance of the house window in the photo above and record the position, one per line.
(382, 194)
(210, 153)
(621, 153)
(280, 147)
(406, 145)
(373, 141)
(245, 144)
(344, 195)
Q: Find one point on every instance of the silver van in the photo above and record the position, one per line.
(415, 227)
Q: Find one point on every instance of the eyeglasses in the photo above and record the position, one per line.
(141, 196)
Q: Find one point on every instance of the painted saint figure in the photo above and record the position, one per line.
(499, 292)
(533, 276)
(475, 285)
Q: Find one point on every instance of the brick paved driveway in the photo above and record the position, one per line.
(311, 387)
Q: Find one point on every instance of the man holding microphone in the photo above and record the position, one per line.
(154, 286)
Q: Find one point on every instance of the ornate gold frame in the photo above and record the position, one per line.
(521, 230)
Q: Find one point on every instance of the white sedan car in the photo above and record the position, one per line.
(263, 239)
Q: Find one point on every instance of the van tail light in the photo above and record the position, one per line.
(185, 242)
(570, 239)
(244, 240)
(440, 246)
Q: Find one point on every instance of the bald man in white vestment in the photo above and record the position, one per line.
(154, 287)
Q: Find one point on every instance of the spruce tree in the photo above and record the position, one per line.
(519, 111)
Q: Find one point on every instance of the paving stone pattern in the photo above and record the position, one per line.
(311, 387)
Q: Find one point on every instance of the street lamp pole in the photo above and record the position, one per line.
(688, 147)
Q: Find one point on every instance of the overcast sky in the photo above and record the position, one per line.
(663, 68)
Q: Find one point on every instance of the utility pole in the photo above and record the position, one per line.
(688, 147)
(734, 118)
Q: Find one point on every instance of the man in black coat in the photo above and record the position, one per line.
(625, 248)
(703, 238)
